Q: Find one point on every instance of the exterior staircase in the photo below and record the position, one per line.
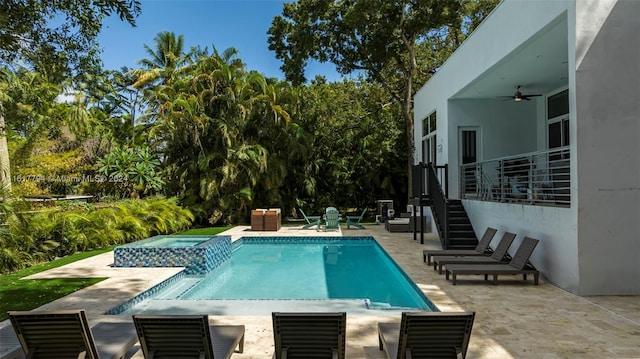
(450, 217)
(461, 234)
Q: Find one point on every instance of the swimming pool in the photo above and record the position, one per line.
(326, 272)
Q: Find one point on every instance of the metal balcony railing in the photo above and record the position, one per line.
(537, 178)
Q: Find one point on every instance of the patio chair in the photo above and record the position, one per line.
(500, 254)
(427, 335)
(331, 219)
(519, 264)
(481, 249)
(355, 220)
(257, 219)
(187, 336)
(309, 335)
(66, 334)
(272, 219)
(311, 220)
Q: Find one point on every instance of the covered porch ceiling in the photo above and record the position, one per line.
(539, 65)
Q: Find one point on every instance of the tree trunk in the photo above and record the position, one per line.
(407, 113)
(5, 168)
(407, 110)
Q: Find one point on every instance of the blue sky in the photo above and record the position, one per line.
(241, 24)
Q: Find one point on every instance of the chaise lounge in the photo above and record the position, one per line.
(519, 264)
(427, 335)
(309, 335)
(187, 336)
(500, 254)
(482, 249)
(66, 334)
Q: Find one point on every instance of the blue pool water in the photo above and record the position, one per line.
(353, 272)
(163, 241)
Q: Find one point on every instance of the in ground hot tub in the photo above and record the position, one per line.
(199, 254)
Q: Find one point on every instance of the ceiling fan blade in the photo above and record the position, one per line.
(536, 95)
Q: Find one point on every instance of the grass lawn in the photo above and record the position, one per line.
(28, 294)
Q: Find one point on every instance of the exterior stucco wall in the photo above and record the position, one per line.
(556, 255)
(608, 146)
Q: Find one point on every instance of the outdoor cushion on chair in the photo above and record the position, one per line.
(66, 334)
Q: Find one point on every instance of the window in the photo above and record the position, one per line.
(429, 138)
(558, 104)
(558, 136)
(429, 124)
(558, 120)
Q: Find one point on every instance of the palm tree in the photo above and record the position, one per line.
(165, 60)
(213, 124)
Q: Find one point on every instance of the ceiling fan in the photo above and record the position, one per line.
(519, 96)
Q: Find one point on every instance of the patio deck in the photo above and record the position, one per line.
(513, 319)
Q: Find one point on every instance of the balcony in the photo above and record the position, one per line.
(538, 178)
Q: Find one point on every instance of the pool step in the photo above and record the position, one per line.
(179, 288)
(266, 307)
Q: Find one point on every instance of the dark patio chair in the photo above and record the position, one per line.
(187, 336)
(66, 334)
(482, 249)
(519, 264)
(309, 335)
(500, 254)
(427, 335)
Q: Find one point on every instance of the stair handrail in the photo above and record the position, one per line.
(439, 202)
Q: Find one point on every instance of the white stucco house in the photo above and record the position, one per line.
(562, 166)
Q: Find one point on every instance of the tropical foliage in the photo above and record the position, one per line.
(130, 172)
(33, 236)
(56, 39)
(197, 125)
(29, 35)
(395, 44)
(231, 139)
(349, 148)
